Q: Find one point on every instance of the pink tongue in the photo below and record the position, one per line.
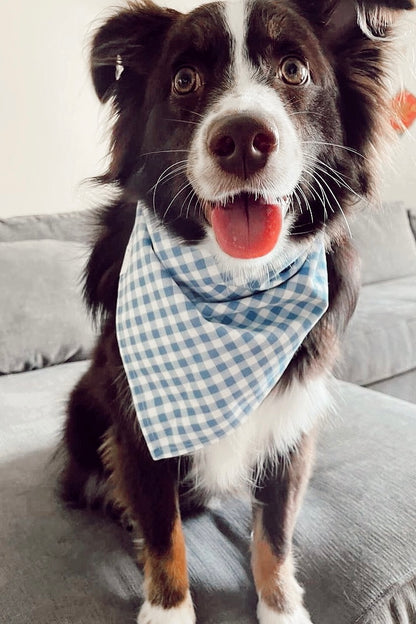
(246, 228)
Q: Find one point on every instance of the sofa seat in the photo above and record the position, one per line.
(383, 331)
(355, 539)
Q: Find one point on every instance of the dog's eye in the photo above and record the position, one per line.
(186, 80)
(294, 71)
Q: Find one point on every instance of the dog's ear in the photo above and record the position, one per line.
(373, 17)
(128, 44)
(359, 37)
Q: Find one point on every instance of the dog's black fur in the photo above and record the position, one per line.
(346, 105)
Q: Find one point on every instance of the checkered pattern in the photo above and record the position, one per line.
(200, 353)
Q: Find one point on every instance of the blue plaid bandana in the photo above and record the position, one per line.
(200, 353)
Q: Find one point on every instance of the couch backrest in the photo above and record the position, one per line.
(42, 257)
(67, 226)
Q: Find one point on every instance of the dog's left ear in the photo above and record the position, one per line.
(373, 17)
(129, 41)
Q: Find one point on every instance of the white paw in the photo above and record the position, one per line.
(183, 614)
(266, 615)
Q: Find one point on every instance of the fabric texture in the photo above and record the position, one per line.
(401, 386)
(380, 340)
(359, 514)
(355, 541)
(67, 226)
(385, 241)
(200, 353)
(43, 320)
(398, 607)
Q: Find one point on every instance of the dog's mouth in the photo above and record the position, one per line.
(245, 226)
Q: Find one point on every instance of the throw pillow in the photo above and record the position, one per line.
(43, 321)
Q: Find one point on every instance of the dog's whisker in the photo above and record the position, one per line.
(328, 166)
(296, 196)
(173, 199)
(337, 202)
(340, 178)
(342, 147)
(335, 199)
(338, 181)
(176, 151)
(323, 198)
(184, 121)
(327, 186)
(193, 196)
(181, 163)
(308, 206)
(311, 189)
(185, 110)
(154, 188)
(169, 171)
(189, 195)
(303, 232)
(307, 112)
(169, 176)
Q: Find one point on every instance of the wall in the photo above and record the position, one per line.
(49, 121)
(51, 124)
(400, 173)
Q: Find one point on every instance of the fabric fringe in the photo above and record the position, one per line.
(396, 607)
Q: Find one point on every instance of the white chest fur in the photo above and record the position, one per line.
(275, 427)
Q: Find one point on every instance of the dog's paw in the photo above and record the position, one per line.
(266, 615)
(183, 614)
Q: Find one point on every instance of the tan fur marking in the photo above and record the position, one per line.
(266, 568)
(274, 577)
(117, 496)
(167, 577)
(110, 455)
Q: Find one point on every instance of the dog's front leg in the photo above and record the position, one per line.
(148, 490)
(278, 494)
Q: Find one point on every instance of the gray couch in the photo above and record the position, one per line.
(380, 344)
(356, 535)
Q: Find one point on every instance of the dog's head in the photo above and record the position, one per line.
(248, 124)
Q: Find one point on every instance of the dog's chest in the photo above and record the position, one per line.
(273, 429)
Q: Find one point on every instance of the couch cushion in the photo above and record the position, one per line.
(380, 340)
(43, 321)
(402, 386)
(357, 531)
(355, 539)
(386, 243)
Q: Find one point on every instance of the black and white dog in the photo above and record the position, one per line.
(248, 129)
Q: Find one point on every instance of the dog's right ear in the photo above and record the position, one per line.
(127, 44)
(373, 17)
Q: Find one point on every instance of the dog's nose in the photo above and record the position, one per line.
(241, 144)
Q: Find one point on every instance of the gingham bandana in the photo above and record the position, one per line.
(200, 353)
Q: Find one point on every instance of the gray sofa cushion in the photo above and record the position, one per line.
(43, 321)
(380, 340)
(355, 539)
(386, 244)
(402, 386)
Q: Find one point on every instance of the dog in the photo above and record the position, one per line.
(245, 132)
